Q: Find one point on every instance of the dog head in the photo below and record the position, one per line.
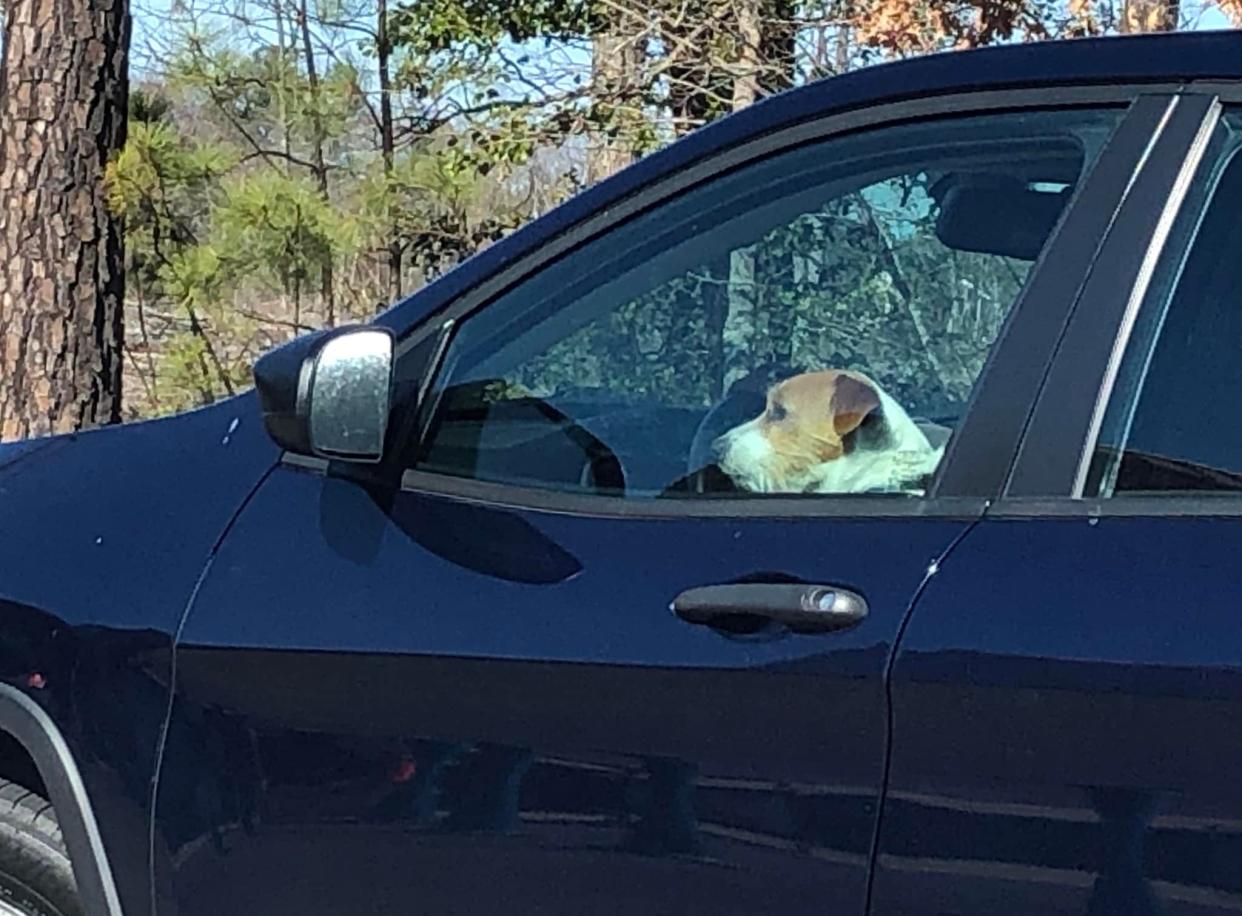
(802, 427)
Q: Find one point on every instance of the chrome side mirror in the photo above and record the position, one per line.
(329, 394)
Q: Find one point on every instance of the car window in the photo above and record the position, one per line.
(811, 323)
(1171, 425)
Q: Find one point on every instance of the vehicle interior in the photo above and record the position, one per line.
(612, 441)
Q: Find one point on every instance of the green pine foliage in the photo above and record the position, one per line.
(253, 184)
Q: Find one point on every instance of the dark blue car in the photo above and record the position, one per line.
(837, 512)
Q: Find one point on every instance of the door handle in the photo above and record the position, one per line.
(800, 608)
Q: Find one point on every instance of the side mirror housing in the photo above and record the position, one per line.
(329, 393)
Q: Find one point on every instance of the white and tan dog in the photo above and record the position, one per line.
(828, 432)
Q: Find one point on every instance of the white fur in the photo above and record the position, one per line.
(745, 454)
(746, 457)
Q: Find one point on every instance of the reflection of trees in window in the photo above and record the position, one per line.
(861, 283)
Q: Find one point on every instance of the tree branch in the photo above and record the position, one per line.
(270, 154)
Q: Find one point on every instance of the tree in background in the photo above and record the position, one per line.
(62, 116)
(295, 163)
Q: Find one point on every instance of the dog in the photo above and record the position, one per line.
(833, 431)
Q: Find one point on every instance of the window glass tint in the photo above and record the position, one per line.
(811, 323)
(1172, 424)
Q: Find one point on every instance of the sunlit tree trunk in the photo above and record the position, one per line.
(63, 96)
(318, 141)
(616, 64)
(1150, 15)
(383, 53)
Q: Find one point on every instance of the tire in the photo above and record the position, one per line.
(36, 878)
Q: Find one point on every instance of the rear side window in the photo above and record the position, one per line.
(812, 323)
(1174, 420)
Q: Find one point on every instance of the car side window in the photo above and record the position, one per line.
(1172, 421)
(810, 323)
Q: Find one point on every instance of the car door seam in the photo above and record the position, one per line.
(933, 568)
(166, 722)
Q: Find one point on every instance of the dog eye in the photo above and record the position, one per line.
(777, 412)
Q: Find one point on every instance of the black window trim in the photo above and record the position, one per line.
(511, 496)
(1007, 390)
(1049, 472)
(1146, 102)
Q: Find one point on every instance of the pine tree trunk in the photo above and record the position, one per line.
(747, 65)
(842, 56)
(616, 61)
(63, 96)
(286, 128)
(383, 50)
(318, 139)
(778, 46)
(1150, 15)
(699, 88)
(763, 37)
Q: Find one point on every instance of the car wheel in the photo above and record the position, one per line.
(36, 878)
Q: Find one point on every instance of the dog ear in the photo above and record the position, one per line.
(852, 400)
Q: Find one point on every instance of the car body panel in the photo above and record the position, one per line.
(106, 535)
(492, 710)
(1065, 735)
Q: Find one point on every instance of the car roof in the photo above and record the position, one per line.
(1164, 58)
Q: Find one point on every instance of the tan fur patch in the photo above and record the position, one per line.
(808, 415)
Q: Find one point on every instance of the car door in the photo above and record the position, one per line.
(466, 692)
(1067, 696)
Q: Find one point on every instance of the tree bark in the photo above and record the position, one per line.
(63, 98)
(282, 102)
(318, 139)
(763, 36)
(777, 45)
(383, 53)
(1150, 15)
(699, 88)
(616, 62)
(748, 67)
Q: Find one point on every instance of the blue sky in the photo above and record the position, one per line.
(151, 29)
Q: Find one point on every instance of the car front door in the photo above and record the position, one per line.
(1066, 698)
(468, 693)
